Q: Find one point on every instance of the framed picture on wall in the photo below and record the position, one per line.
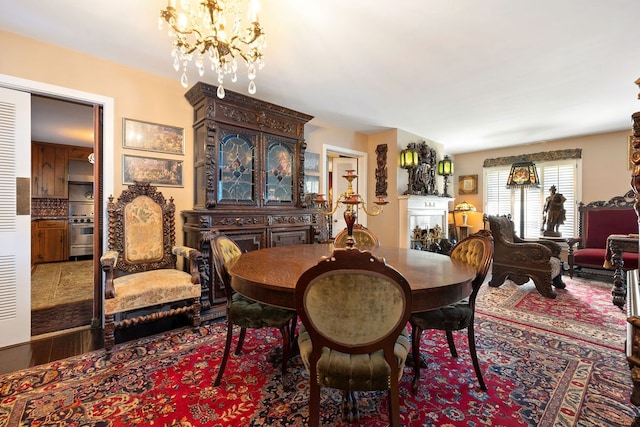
(161, 172)
(139, 135)
(468, 184)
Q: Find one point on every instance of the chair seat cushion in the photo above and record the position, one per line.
(450, 318)
(149, 288)
(248, 313)
(595, 258)
(356, 372)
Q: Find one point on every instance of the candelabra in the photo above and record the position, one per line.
(351, 201)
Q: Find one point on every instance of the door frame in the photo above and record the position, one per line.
(362, 158)
(106, 154)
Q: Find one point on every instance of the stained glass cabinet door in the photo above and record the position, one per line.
(236, 182)
(279, 172)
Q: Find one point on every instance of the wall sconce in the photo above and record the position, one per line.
(409, 160)
(445, 168)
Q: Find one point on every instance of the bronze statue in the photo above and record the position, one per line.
(554, 213)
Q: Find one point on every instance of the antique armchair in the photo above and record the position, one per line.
(520, 260)
(363, 237)
(243, 311)
(477, 250)
(354, 310)
(142, 283)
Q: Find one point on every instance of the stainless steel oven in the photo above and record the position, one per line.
(80, 237)
(80, 219)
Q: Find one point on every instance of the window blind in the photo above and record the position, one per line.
(499, 200)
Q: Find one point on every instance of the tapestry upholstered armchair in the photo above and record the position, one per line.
(142, 283)
(520, 260)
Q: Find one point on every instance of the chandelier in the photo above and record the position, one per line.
(351, 202)
(212, 31)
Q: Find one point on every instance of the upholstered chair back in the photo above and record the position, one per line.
(474, 251)
(362, 236)
(143, 233)
(142, 229)
(340, 304)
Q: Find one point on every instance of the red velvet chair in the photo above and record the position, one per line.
(598, 220)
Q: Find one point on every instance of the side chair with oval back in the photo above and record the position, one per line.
(354, 309)
(244, 312)
(477, 250)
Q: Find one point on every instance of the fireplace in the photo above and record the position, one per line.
(422, 211)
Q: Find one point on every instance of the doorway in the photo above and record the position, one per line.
(103, 155)
(62, 277)
(336, 161)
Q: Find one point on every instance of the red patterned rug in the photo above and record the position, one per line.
(546, 363)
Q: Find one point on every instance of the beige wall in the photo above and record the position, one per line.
(604, 167)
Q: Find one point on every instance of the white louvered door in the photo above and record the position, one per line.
(15, 227)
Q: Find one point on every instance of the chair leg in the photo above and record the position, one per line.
(416, 332)
(314, 399)
(227, 350)
(452, 344)
(394, 401)
(286, 346)
(243, 333)
(196, 307)
(474, 355)
(109, 332)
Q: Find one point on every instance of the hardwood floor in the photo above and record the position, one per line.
(47, 348)
(50, 347)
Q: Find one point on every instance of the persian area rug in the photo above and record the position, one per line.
(546, 363)
(61, 296)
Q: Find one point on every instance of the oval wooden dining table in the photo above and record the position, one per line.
(270, 275)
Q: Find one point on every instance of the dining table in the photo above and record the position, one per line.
(270, 275)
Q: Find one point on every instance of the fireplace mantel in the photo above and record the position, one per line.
(421, 211)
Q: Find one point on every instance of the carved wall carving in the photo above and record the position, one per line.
(545, 156)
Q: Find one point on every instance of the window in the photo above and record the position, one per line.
(499, 200)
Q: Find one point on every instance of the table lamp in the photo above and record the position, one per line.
(523, 175)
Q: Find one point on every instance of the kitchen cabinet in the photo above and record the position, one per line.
(49, 170)
(79, 153)
(248, 179)
(49, 240)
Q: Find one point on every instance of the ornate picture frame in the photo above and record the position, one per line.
(467, 184)
(160, 172)
(147, 136)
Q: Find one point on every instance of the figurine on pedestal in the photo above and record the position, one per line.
(553, 214)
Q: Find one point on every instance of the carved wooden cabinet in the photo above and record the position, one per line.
(248, 178)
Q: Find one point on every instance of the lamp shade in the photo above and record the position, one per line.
(464, 207)
(523, 174)
(408, 158)
(445, 166)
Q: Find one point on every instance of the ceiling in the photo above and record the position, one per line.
(467, 74)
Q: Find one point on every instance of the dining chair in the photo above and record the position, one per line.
(363, 237)
(354, 310)
(476, 250)
(244, 312)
